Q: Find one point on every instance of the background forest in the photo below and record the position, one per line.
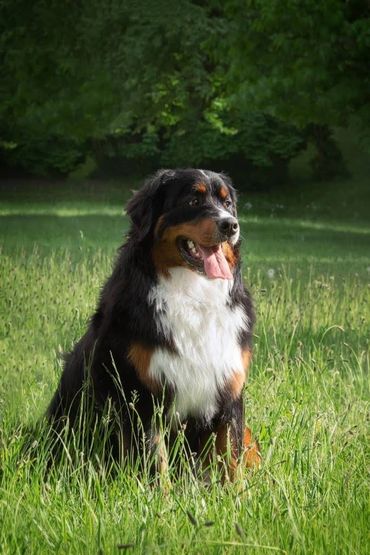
(127, 87)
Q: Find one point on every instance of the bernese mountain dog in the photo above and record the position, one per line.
(173, 327)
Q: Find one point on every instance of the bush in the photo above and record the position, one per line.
(43, 155)
(328, 162)
(254, 147)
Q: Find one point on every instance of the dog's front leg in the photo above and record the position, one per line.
(158, 455)
(222, 443)
(158, 452)
(230, 443)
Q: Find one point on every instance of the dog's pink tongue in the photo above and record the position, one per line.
(215, 263)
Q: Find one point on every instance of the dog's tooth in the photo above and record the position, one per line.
(191, 244)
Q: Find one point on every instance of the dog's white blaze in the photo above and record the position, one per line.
(193, 310)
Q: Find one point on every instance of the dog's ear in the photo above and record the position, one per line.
(144, 207)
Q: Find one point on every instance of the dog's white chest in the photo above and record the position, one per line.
(193, 311)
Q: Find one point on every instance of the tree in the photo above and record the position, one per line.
(181, 82)
(304, 61)
(141, 82)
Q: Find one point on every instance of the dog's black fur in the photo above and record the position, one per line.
(124, 317)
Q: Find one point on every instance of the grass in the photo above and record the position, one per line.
(306, 400)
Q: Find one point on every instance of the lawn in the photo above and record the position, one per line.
(307, 261)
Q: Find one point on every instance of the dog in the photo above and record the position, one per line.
(173, 326)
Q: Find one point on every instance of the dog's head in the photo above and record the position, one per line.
(188, 218)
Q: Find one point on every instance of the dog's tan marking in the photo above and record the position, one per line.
(246, 357)
(200, 188)
(219, 446)
(252, 455)
(237, 381)
(165, 251)
(139, 355)
(166, 255)
(230, 254)
(226, 448)
(223, 192)
(203, 232)
(236, 384)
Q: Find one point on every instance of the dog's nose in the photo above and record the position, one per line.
(228, 226)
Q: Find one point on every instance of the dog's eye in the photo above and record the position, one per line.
(194, 202)
(227, 203)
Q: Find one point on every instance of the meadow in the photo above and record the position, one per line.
(306, 260)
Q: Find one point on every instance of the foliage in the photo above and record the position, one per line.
(305, 61)
(177, 83)
(131, 82)
(328, 161)
(243, 142)
(44, 155)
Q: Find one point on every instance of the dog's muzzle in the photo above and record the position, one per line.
(228, 227)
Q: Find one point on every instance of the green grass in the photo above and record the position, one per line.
(306, 400)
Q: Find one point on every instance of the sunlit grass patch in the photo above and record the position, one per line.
(306, 401)
(307, 398)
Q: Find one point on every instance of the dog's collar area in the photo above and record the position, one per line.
(209, 261)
